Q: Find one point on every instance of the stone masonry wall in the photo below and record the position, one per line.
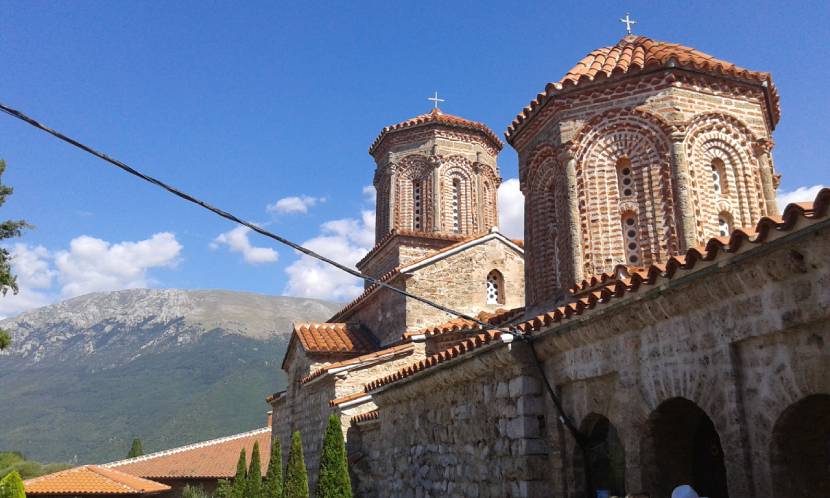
(474, 433)
(459, 282)
(743, 341)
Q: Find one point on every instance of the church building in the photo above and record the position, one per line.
(660, 324)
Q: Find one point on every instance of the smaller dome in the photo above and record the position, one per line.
(436, 117)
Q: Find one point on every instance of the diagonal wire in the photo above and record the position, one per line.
(229, 216)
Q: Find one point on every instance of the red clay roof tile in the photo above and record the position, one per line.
(92, 480)
(334, 338)
(638, 53)
(436, 117)
(216, 458)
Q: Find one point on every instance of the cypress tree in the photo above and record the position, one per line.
(11, 486)
(272, 488)
(136, 449)
(224, 489)
(8, 229)
(255, 474)
(240, 480)
(296, 475)
(333, 480)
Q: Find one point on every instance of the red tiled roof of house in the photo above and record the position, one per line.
(334, 338)
(92, 480)
(640, 53)
(213, 459)
(365, 417)
(642, 278)
(436, 117)
(383, 354)
(497, 318)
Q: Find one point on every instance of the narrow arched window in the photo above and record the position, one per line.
(718, 176)
(495, 288)
(456, 202)
(417, 205)
(724, 224)
(626, 177)
(631, 238)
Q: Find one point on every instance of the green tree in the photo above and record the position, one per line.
(224, 489)
(135, 450)
(240, 480)
(8, 229)
(272, 488)
(333, 480)
(255, 474)
(296, 475)
(11, 486)
(194, 492)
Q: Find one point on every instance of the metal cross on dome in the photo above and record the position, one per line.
(435, 100)
(628, 22)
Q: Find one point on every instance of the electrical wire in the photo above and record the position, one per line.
(229, 216)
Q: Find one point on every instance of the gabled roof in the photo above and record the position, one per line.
(401, 232)
(436, 117)
(430, 258)
(212, 459)
(334, 338)
(639, 53)
(804, 216)
(92, 480)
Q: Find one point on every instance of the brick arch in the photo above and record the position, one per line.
(721, 137)
(540, 155)
(642, 139)
(547, 243)
(799, 456)
(413, 167)
(458, 168)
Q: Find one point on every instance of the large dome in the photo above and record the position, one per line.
(640, 53)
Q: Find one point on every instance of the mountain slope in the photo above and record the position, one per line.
(85, 376)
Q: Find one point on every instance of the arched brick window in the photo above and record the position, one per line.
(724, 224)
(455, 205)
(718, 176)
(417, 205)
(631, 238)
(495, 287)
(626, 178)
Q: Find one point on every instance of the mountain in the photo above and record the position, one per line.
(85, 376)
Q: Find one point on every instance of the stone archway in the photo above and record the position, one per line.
(682, 446)
(605, 459)
(800, 449)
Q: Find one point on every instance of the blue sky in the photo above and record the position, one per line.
(247, 103)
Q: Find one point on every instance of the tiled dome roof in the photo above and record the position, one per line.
(638, 53)
(438, 117)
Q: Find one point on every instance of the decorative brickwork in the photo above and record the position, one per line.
(661, 161)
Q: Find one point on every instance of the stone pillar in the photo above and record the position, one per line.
(574, 229)
(762, 151)
(685, 216)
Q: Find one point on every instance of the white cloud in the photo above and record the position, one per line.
(511, 209)
(345, 241)
(801, 194)
(34, 275)
(88, 265)
(294, 204)
(237, 241)
(95, 265)
(369, 194)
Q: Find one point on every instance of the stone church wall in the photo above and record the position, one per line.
(742, 342)
(470, 433)
(459, 282)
